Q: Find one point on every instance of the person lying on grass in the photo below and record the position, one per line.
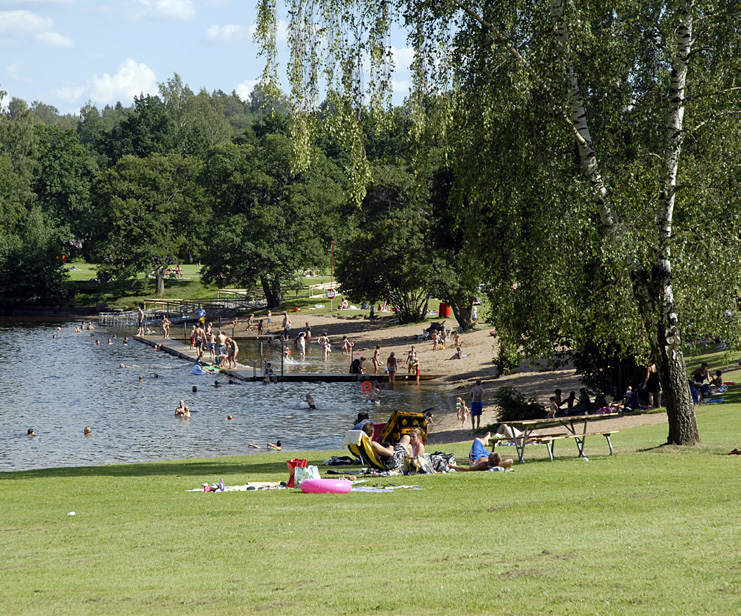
(494, 461)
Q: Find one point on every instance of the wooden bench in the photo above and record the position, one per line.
(549, 439)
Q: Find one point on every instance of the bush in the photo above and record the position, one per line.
(514, 407)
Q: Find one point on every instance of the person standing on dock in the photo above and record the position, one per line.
(165, 327)
(201, 315)
(140, 321)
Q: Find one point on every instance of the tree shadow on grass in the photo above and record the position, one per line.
(178, 468)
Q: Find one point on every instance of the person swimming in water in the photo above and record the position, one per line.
(277, 446)
(310, 401)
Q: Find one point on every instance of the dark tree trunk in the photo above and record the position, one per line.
(159, 276)
(462, 309)
(273, 295)
(653, 291)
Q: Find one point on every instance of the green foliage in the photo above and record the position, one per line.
(513, 405)
(151, 213)
(387, 258)
(62, 182)
(270, 220)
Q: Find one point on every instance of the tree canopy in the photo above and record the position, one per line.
(580, 140)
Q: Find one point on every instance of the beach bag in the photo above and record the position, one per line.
(419, 465)
(441, 461)
(292, 466)
(303, 473)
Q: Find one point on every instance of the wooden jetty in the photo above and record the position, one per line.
(248, 373)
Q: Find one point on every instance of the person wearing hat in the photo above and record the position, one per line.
(391, 367)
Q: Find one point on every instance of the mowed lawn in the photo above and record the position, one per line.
(651, 530)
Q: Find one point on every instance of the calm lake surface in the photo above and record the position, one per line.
(59, 386)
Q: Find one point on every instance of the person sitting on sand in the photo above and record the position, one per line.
(458, 354)
(492, 462)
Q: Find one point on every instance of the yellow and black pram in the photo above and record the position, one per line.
(401, 423)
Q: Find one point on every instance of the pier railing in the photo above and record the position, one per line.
(226, 302)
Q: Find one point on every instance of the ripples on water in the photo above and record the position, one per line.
(59, 386)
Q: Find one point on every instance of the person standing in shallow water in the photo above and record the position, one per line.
(391, 366)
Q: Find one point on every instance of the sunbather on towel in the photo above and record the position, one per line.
(494, 461)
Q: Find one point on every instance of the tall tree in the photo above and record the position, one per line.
(270, 220)
(387, 259)
(589, 107)
(62, 182)
(152, 212)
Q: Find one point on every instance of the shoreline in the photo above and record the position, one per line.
(456, 376)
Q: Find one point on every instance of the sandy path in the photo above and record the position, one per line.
(458, 376)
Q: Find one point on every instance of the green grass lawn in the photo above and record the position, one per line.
(650, 530)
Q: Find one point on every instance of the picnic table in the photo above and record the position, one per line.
(572, 427)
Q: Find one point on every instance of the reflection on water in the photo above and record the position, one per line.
(59, 386)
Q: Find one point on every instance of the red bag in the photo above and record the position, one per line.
(292, 465)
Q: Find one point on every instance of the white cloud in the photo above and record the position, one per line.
(402, 58)
(54, 39)
(230, 33)
(244, 89)
(28, 25)
(235, 34)
(400, 86)
(34, 2)
(180, 10)
(17, 73)
(130, 79)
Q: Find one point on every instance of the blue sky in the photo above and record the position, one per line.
(67, 52)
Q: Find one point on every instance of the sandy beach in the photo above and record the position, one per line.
(456, 375)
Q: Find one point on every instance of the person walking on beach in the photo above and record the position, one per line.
(376, 358)
(477, 405)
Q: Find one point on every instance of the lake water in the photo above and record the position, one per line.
(59, 386)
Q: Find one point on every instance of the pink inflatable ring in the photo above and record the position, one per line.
(326, 486)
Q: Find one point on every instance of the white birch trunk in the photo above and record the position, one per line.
(670, 358)
(587, 154)
(652, 289)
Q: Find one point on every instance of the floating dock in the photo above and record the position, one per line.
(247, 373)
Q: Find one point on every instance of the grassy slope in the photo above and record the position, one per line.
(649, 530)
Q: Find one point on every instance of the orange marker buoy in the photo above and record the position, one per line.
(367, 386)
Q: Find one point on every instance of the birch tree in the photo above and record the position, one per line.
(585, 137)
